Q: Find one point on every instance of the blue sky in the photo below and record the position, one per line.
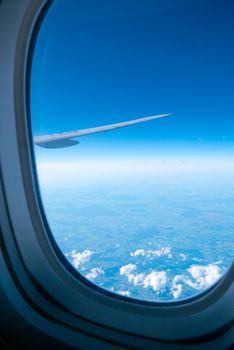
(100, 62)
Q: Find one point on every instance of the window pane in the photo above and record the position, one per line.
(145, 211)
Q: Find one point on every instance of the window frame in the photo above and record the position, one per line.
(45, 278)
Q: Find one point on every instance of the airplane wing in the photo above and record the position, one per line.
(66, 139)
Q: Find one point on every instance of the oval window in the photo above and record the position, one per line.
(145, 210)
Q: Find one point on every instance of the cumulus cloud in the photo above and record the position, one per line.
(94, 273)
(157, 280)
(164, 251)
(80, 258)
(138, 252)
(127, 269)
(177, 288)
(126, 293)
(176, 291)
(136, 279)
(203, 276)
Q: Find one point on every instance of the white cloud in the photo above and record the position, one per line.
(127, 269)
(136, 279)
(176, 289)
(157, 280)
(197, 259)
(126, 293)
(183, 256)
(138, 252)
(164, 251)
(80, 258)
(94, 273)
(179, 278)
(204, 276)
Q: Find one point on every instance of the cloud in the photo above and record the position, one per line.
(94, 273)
(138, 252)
(197, 259)
(176, 291)
(183, 256)
(80, 258)
(126, 293)
(177, 288)
(157, 280)
(127, 269)
(136, 279)
(203, 276)
(165, 251)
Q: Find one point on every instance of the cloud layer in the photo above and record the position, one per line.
(197, 277)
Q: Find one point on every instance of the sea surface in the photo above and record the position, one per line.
(151, 237)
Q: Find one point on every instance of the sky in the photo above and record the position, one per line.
(101, 62)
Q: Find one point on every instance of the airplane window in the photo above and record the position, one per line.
(132, 119)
